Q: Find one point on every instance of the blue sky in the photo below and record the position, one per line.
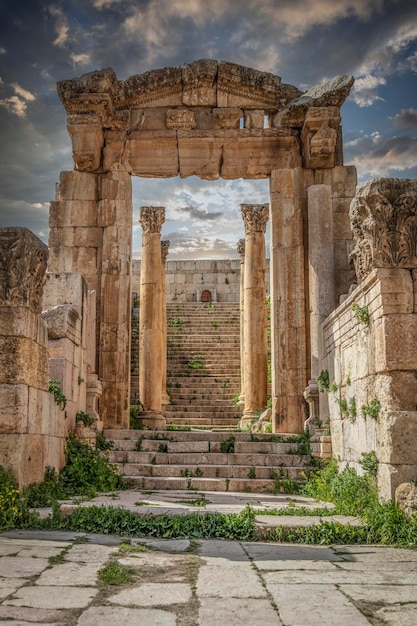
(303, 41)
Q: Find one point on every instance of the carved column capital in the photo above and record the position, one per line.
(151, 218)
(255, 217)
(383, 218)
(23, 261)
(241, 249)
(164, 250)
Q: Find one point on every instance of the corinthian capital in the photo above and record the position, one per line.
(23, 260)
(383, 218)
(164, 250)
(255, 217)
(151, 218)
(241, 249)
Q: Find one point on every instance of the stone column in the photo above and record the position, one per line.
(151, 334)
(164, 254)
(255, 339)
(321, 280)
(289, 299)
(241, 250)
(27, 421)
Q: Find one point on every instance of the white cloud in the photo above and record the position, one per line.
(23, 93)
(17, 104)
(80, 60)
(365, 90)
(406, 118)
(61, 26)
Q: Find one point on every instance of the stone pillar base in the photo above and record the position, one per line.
(165, 399)
(247, 419)
(152, 420)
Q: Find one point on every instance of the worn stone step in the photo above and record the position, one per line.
(239, 485)
(208, 458)
(210, 471)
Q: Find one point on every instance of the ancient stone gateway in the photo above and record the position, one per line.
(207, 119)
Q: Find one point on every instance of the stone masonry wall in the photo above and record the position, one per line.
(185, 280)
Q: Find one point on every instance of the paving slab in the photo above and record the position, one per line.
(289, 551)
(70, 575)
(31, 615)
(9, 586)
(237, 612)
(53, 597)
(229, 581)
(401, 615)
(21, 567)
(90, 553)
(153, 594)
(315, 605)
(123, 616)
(381, 594)
(338, 576)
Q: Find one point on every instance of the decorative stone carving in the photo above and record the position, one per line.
(319, 137)
(151, 218)
(199, 83)
(241, 249)
(180, 119)
(227, 117)
(383, 217)
(255, 217)
(164, 250)
(23, 261)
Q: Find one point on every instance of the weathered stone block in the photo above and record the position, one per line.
(23, 361)
(14, 408)
(396, 343)
(396, 437)
(200, 153)
(114, 147)
(86, 133)
(77, 186)
(88, 237)
(153, 153)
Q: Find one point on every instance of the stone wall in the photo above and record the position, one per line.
(370, 340)
(186, 280)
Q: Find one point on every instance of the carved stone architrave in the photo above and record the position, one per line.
(23, 261)
(383, 217)
(255, 217)
(151, 218)
(227, 117)
(180, 119)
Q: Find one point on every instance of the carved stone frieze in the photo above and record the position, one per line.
(180, 119)
(164, 250)
(255, 217)
(383, 217)
(151, 218)
(23, 261)
(199, 83)
(227, 117)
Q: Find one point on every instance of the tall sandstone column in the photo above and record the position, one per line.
(289, 298)
(321, 275)
(255, 334)
(164, 254)
(241, 250)
(151, 333)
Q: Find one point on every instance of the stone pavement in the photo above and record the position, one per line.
(52, 577)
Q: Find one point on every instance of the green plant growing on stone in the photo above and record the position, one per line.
(372, 409)
(252, 473)
(215, 325)
(176, 322)
(369, 462)
(54, 388)
(361, 313)
(116, 574)
(134, 417)
(228, 446)
(86, 420)
(323, 380)
(196, 362)
(102, 443)
(351, 409)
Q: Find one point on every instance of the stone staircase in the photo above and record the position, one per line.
(203, 364)
(207, 460)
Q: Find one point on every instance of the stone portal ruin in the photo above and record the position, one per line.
(218, 119)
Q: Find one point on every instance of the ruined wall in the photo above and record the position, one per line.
(185, 280)
(370, 340)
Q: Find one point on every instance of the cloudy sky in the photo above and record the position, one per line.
(303, 41)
